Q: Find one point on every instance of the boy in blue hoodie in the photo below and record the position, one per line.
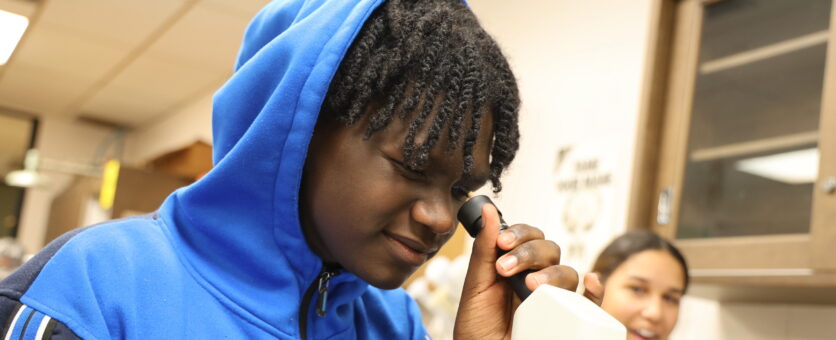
(345, 142)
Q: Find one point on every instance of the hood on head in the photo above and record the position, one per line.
(238, 227)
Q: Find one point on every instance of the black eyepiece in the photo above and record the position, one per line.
(470, 214)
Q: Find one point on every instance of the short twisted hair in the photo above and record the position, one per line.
(412, 53)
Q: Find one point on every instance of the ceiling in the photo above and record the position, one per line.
(122, 62)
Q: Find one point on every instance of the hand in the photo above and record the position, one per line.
(487, 306)
(593, 289)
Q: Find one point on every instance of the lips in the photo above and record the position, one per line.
(417, 246)
(643, 334)
(409, 250)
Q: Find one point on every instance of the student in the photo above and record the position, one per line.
(344, 144)
(644, 277)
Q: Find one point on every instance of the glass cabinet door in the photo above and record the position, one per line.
(747, 140)
(752, 148)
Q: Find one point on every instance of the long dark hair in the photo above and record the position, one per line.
(631, 243)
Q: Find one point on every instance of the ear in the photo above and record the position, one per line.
(593, 289)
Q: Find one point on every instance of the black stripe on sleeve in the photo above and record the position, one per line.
(26, 324)
(6, 329)
(55, 330)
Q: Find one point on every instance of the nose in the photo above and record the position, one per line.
(436, 213)
(653, 309)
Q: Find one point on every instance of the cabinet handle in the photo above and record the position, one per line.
(663, 208)
(828, 185)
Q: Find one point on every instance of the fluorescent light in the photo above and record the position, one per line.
(25, 179)
(12, 27)
(794, 167)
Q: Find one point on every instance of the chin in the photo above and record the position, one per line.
(390, 281)
(387, 285)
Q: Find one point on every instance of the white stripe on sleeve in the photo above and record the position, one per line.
(14, 322)
(42, 327)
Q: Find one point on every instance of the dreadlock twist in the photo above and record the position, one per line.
(409, 54)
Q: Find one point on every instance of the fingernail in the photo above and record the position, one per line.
(508, 262)
(507, 238)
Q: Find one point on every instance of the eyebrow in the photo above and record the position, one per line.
(646, 281)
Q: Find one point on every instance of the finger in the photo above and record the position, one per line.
(560, 276)
(481, 269)
(518, 234)
(593, 289)
(536, 254)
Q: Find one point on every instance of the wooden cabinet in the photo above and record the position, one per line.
(744, 172)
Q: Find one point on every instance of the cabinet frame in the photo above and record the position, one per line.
(798, 259)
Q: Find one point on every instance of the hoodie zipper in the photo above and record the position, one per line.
(320, 287)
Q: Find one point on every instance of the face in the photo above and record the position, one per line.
(644, 292)
(362, 208)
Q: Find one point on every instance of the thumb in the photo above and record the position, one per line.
(593, 289)
(481, 272)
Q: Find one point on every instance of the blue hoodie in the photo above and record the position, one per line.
(224, 257)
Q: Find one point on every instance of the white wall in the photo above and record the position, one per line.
(579, 65)
(705, 319)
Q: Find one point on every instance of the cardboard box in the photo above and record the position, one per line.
(189, 163)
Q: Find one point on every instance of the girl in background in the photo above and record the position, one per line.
(644, 277)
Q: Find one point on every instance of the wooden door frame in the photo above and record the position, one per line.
(675, 24)
(823, 221)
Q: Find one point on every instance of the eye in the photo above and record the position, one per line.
(672, 299)
(637, 290)
(407, 173)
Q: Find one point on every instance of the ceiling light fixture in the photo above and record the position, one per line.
(12, 27)
(33, 166)
(27, 177)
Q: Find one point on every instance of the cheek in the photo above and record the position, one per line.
(353, 206)
(331, 223)
(620, 304)
(671, 316)
(344, 196)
